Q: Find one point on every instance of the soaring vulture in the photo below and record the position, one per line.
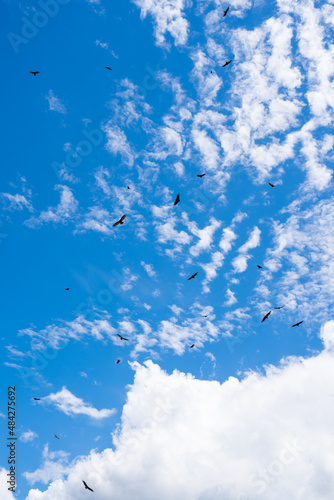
(107, 67)
(281, 307)
(120, 221)
(226, 11)
(272, 185)
(120, 336)
(56, 436)
(200, 175)
(87, 487)
(192, 277)
(34, 73)
(227, 63)
(177, 199)
(297, 324)
(266, 316)
(260, 267)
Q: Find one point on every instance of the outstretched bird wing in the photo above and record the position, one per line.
(193, 276)
(177, 199)
(281, 307)
(107, 67)
(226, 11)
(34, 73)
(120, 221)
(87, 487)
(56, 436)
(266, 316)
(227, 63)
(201, 175)
(297, 324)
(260, 267)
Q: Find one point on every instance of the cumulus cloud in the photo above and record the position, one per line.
(68, 403)
(272, 453)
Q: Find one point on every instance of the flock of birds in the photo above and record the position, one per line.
(177, 200)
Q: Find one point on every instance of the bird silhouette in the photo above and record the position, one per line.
(120, 336)
(200, 175)
(56, 436)
(67, 289)
(128, 187)
(118, 361)
(37, 399)
(193, 345)
(120, 221)
(34, 73)
(266, 316)
(87, 487)
(107, 67)
(226, 11)
(192, 277)
(272, 185)
(297, 324)
(281, 307)
(177, 199)
(205, 316)
(226, 64)
(260, 267)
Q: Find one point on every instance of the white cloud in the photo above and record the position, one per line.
(239, 263)
(28, 436)
(149, 269)
(55, 104)
(273, 453)
(168, 18)
(54, 466)
(65, 210)
(5, 494)
(68, 403)
(117, 143)
(17, 202)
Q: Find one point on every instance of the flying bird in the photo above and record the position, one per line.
(260, 267)
(67, 289)
(177, 199)
(226, 11)
(192, 277)
(205, 316)
(272, 185)
(297, 324)
(279, 307)
(200, 175)
(193, 345)
(87, 487)
(227, 63)
(266, 316)
(34, 73)
(118, 361)
(128, 187)
(56, 436)
(120, 221)
(120, 336)
(37, 399)
(107, 67)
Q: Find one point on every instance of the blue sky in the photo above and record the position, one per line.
(74, 138)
